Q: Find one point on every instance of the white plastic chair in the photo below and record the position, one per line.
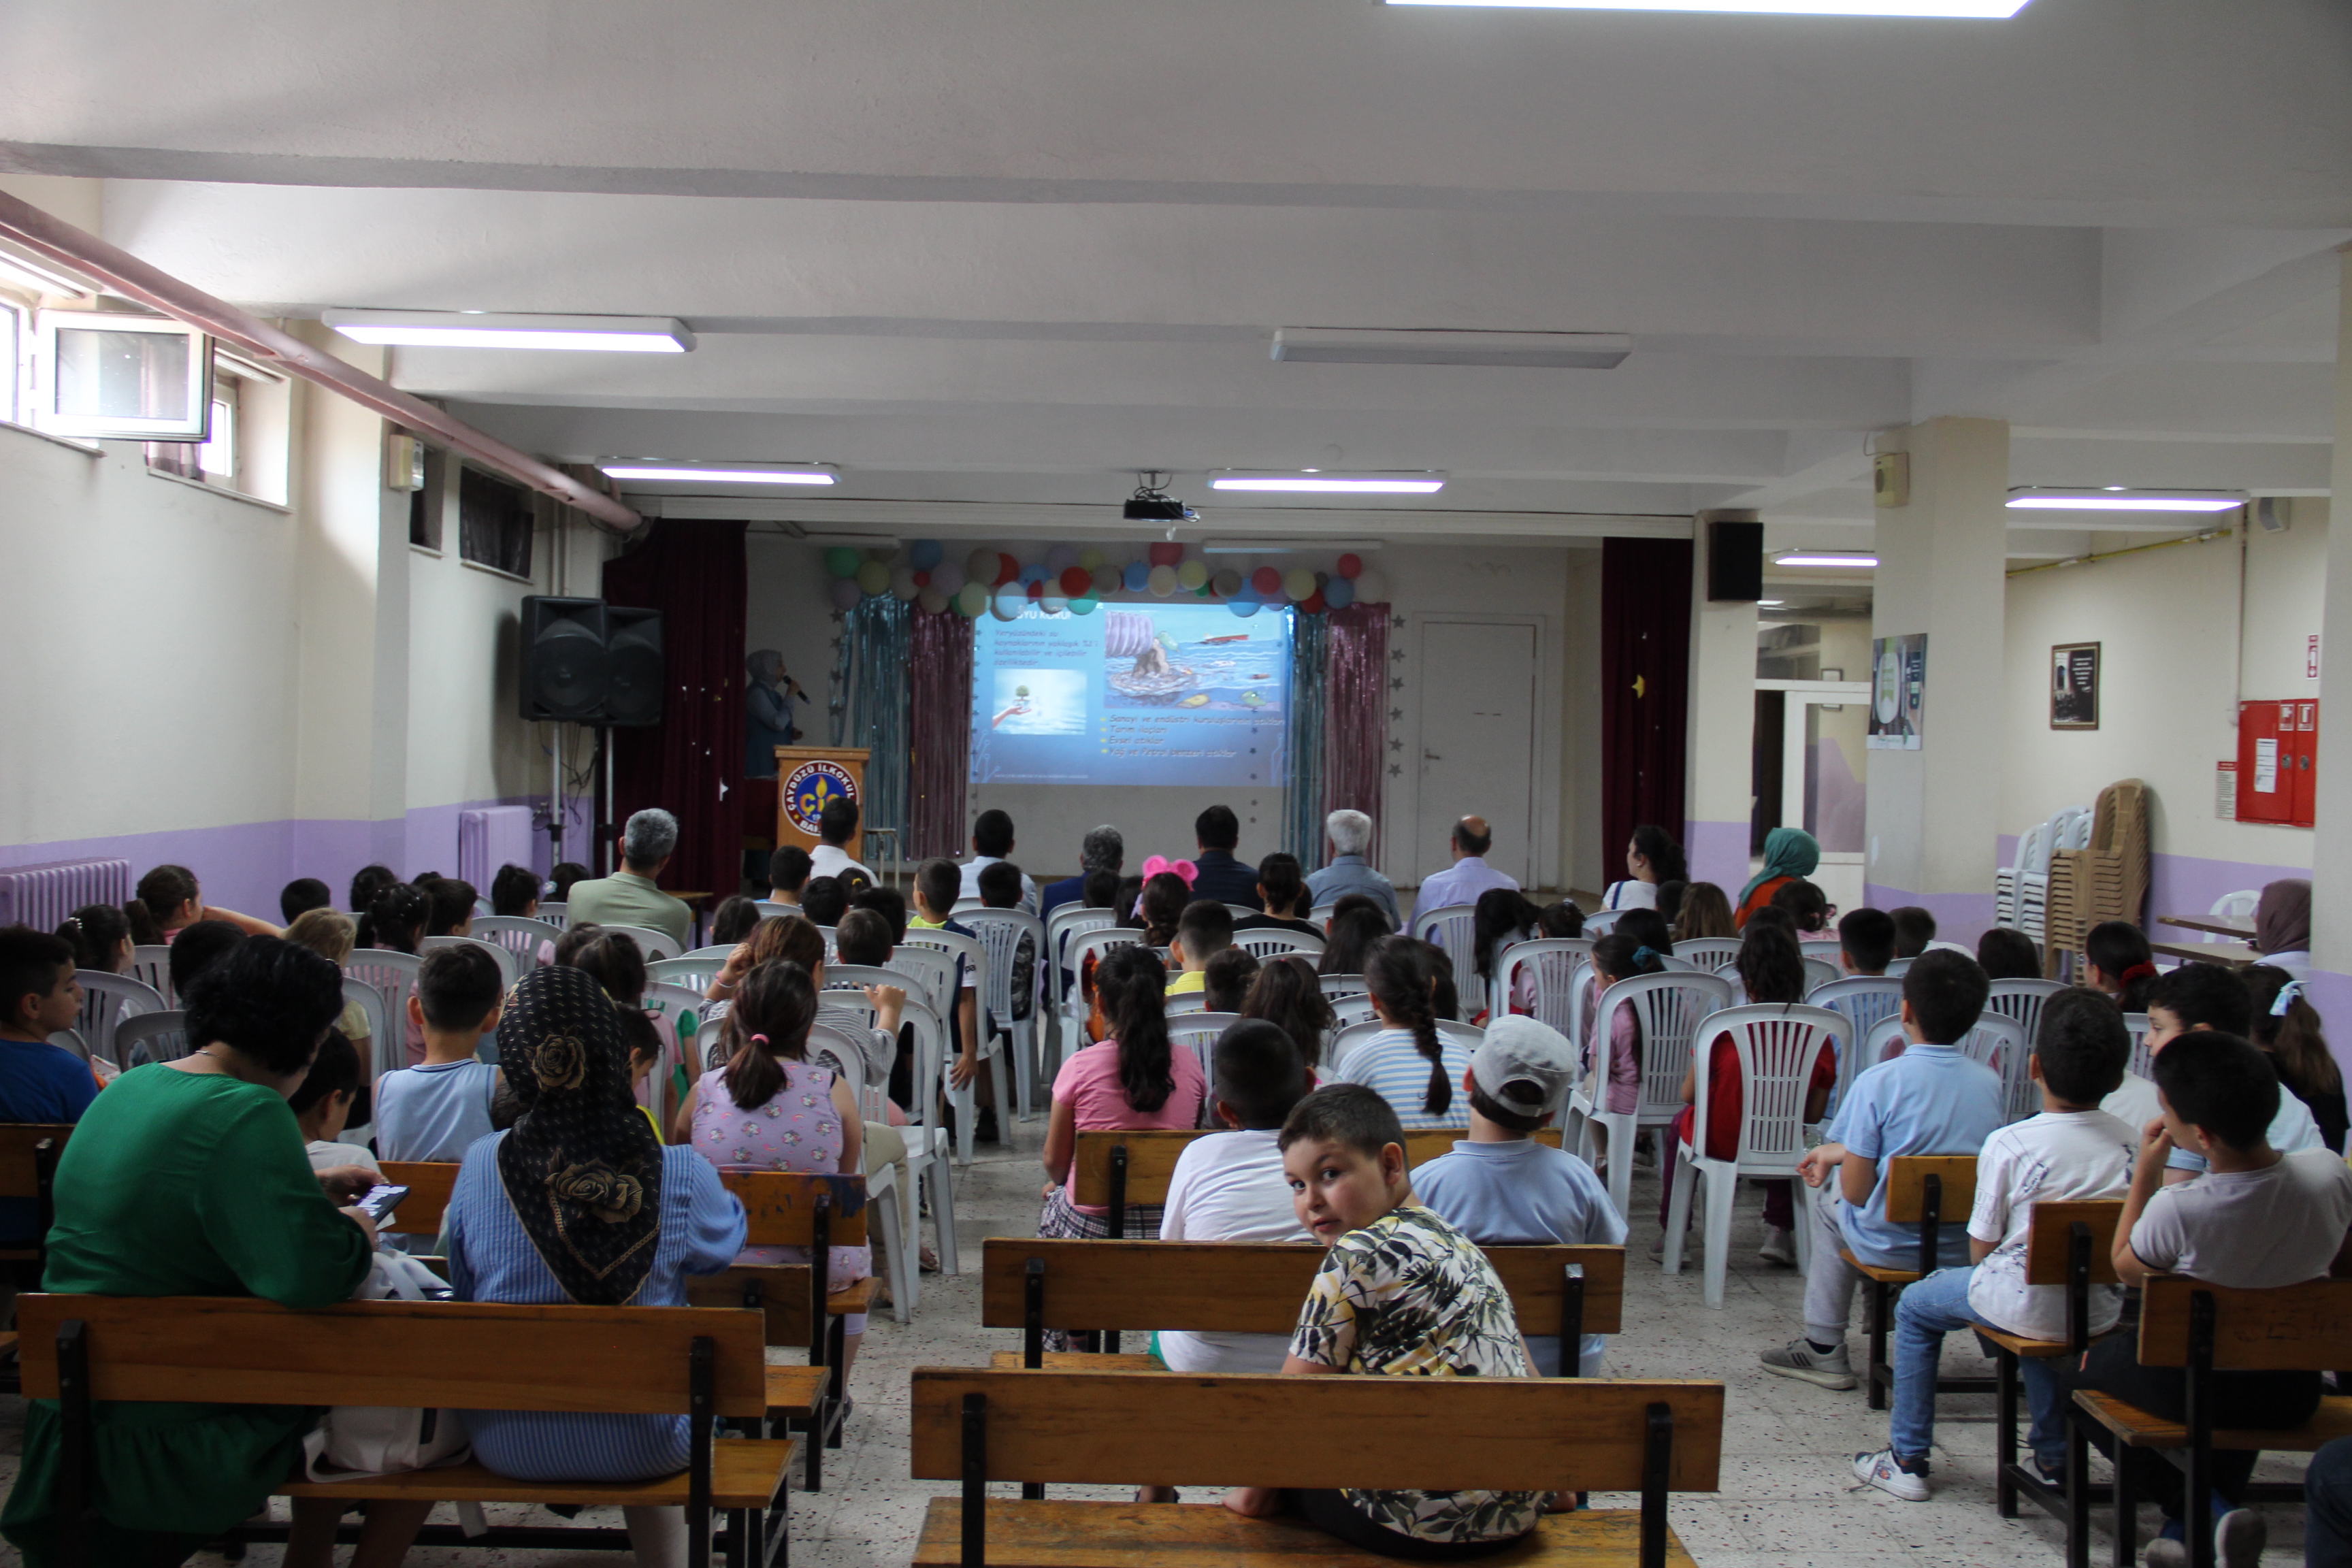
(2237, 908)
(1668, 1009)
(651, 943)
(1863, 1001)
(1095, 944)
(693, 973)
(1674, 965)
(1243, 911)
(1268, 942)
(1778, 1046)
(1000, 933)
(2021, 1001)
(394, 976)
(1198, 1033)
(1600, 923)
(107, 1000)
(379, 1023)
(1321, 915)
(2143, 1060)
(2067, 829)
(150, 1038)
(964, 907)
(1896, 968)
(2006, 878)
(1710, 953)
(1337, 988)
(150, 966)
(1467, 1036)
(835, 1051)
(1825, 948)
(556, 913)
(1347, 1011)
(511, 964)
(1991, 1041)
(1060, 927)
(1550, 964)
(519, 934)
(1187, 1001)
(1820, 973)
(1455, 928)
(770, 910)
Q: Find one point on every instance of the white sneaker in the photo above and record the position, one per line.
(1799, 1359)
(1886, 1472)
(1780, 1246)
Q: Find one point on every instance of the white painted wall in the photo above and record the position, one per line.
(2164, 620)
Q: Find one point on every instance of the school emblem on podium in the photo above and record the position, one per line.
(811, 787)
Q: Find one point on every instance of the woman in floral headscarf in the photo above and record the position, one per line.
(578, 1201)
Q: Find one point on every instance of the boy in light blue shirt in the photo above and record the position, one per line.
(1499, 1186)
(1931, 1100)
(435, 1109)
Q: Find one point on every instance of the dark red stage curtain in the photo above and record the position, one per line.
(1646, 610)
(940, 720)
(691, 763)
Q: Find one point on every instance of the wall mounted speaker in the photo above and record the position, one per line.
(1735, 561)
(587, 662)
(633, 647)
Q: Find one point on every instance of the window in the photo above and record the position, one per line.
(494, 523)
(107, 376)
(216, 458)
(427, 502)
(246, 447)
(12, 360)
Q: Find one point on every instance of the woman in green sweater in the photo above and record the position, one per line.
(189, 1178)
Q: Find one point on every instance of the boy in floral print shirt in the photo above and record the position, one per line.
(1401, 1294)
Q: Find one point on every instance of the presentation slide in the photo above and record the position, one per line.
(1174, 694)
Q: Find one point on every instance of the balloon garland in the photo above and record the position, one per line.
(1078, 580)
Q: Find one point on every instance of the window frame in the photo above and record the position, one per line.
(192, 427)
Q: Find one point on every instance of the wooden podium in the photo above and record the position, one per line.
(809, 776)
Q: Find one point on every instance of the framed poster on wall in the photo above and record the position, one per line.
(2074, 686)
(1898, 692)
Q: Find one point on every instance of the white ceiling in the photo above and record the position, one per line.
(993, 255)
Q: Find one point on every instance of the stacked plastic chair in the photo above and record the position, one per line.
(2104, 877)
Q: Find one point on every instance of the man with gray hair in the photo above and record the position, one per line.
(1351, 835)
(1103, 849)
(629, 897)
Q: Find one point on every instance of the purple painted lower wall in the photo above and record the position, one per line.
(1717, 853)
(244, 866)
(1960, 916)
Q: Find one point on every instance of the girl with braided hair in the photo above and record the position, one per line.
(1407, 1064)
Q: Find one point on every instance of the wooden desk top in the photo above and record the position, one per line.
(2235, 954)
(2206, 922)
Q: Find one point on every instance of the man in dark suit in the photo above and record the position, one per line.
(1217, 830)
(1103, 849)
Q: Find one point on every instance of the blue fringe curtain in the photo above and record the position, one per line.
(1302, 806)
(870, 687)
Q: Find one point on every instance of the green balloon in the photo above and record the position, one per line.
(874, 577)
(842, 561)
(1085, 604)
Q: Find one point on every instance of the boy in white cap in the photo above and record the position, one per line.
(1499, 1186)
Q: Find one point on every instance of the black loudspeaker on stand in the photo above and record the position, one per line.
(588, 662)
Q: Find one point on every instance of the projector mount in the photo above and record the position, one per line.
(1151, 503)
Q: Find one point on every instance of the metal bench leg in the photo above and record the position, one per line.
(2078, 1492)
(2127, 1541)
(2004, 1453)
(1876, 1329)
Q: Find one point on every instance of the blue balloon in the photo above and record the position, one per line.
(1137, 573)
(1339, 593)
(923, 554)
(1034, 572)
(1242, 607)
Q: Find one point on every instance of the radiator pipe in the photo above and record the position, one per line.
(123, 273)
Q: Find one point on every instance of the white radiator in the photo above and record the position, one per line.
(43, 896)
(488, 838)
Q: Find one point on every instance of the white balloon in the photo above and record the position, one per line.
(1010, 600)
(1372, 588)
(932, 601)
(902, 583)
(1163, 581)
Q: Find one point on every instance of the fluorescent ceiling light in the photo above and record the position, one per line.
(693, 473)
(479, 330)
(1442, 345)
(1314, 482)
(1819, 558)
(1987, 10)
(1771, 604)
(2108, 501)
(40, 275)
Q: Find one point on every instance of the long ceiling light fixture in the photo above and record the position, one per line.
(480, 330)
(1979, 10)
(2115, 498)
(714, 474)
(1855, 559)
(1445, 345)
(1315, 482)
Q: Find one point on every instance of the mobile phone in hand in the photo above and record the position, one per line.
(379, 1201)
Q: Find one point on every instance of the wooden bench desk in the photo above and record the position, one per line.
(2071, 1245)
(1135, 1428)
(601, 1360)
(1928, 1190)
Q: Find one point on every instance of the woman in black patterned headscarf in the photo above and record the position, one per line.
(578, 1202)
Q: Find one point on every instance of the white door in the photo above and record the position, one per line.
(1477, 682)
(1824, 766)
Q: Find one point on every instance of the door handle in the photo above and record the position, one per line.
(1428, 756)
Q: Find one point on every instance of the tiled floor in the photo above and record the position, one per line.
(1785, 1502)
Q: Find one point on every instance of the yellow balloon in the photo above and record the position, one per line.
(1191, 575)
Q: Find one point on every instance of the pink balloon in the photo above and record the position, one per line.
(1349, 565)
(1266, 581)
(844, 592)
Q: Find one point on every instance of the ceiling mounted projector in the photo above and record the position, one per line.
(1150, 503)
(1444, 345)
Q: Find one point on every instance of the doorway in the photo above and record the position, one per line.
(1823, 730)
(1478, 741)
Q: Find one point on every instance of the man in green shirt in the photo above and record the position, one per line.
(629, 897)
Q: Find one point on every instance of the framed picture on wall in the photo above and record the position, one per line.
(2074, 686)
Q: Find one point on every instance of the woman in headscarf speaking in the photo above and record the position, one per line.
(1790, 853)
(578, 1201)
(2282, 925)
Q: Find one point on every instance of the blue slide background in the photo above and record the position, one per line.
(1103, 709)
